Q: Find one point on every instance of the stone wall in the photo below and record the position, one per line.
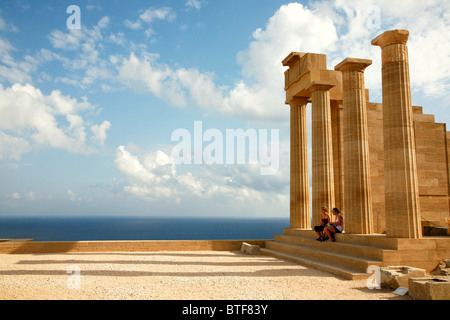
(432, 155)
(31, 247)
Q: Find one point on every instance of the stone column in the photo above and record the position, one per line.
(300, 203)
(402, 194)
(337, 124)
(322, 151)
(357, 185)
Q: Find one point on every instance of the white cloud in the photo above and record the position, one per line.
(339, 29)
(136, 25)
(99, 131)
(194, 4)
(260, 95)
(429, 27)
(164, 14)
(30, 119)
(150, 16)
(5, 26)
(12, 70)
(72, 197)
(15, 196)
(153, 176)
(146, 74)
(12, 147)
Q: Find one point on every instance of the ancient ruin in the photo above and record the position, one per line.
(384, 165)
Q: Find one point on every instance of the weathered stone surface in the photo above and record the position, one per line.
(397, 276)
(407, 185)
(357, 185)
(250, 249)
(300, 215)
(322, 150)
(442, 269)
(429, 288)
(401, 184)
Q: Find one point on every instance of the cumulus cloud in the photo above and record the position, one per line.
(259, 95)
(30, 119)
(12, 70)
(154, 176)
(337, 28)
(358, 22)
(99, 132)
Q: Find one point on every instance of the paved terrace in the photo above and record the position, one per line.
(196, 273)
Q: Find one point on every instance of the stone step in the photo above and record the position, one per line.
(349, 249)
(357, 264)
(379, 241)
(339, 271)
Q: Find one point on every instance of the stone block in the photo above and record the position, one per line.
(437, 288)
(250, 249)
(443, 268)
(393, 277)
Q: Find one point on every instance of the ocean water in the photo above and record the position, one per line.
(139, 228)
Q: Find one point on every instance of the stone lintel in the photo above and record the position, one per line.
(292, 58)
(353, 64)
(391, 37)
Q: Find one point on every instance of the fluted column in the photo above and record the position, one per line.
(322, 151)
(402, 194)
(357, 186)
(300, 215)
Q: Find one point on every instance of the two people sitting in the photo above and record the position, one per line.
(326, 229)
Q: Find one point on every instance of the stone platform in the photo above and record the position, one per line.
(352, 254)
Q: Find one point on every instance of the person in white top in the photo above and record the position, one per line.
(336, 227)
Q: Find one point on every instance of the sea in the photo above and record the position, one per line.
(139, 228)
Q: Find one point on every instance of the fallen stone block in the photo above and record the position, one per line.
(429, 288)
(252, 249)
(442, 269)
(393, 277)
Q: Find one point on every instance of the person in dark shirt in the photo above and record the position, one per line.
(325, 219)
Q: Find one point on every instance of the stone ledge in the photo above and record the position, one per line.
(32, 247)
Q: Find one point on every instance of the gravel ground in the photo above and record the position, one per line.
(199, 275)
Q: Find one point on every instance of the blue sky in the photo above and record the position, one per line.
(86, 116)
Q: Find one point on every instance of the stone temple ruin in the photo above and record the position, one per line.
(384, 165)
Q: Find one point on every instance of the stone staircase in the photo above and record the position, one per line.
(348, 257)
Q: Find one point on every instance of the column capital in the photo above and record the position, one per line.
(353, 64)
(321, 85)
(298, 101)
(391, 37)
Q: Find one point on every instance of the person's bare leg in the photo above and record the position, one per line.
(329, 232)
